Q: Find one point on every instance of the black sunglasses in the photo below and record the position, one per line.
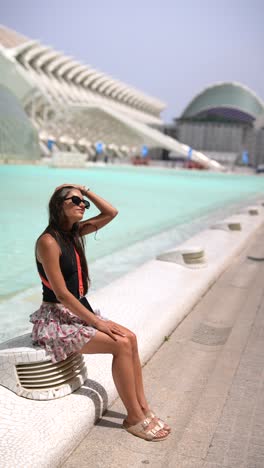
(77, 201)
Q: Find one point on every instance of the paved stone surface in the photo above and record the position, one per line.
(238, 440)
(207, 381)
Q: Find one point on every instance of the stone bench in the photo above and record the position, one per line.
(28, 371)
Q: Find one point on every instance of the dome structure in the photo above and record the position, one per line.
(227, 101)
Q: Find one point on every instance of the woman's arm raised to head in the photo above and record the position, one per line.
(48, 253)
(108, 212)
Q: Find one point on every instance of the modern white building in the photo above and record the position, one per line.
(225, 121)
(73, 106)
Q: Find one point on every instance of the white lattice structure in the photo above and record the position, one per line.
(76, 106)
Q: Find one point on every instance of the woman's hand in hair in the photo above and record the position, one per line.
(62, 186)
(66, 185)
(82, 188)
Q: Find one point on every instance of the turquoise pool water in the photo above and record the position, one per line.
(158, 209)
(149, 201)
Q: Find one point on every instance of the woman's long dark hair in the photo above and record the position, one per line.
(57, 220)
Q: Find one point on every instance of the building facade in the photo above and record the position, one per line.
(77, 108)
(226, 122)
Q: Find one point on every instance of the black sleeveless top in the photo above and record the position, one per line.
(69, 271)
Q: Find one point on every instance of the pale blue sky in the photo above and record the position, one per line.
(168, 49)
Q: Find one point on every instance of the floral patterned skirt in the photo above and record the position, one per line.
(59, 331)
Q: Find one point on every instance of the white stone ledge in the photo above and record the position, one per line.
(151, 300)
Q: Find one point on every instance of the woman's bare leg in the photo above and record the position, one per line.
(137, 369)
(122, 368)
(123, 373)
(138, 373)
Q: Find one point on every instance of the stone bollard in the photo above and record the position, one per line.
(253, 210)
(191, 257)
(228, 226)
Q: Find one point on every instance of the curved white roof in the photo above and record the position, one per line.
(57, 62)
(75, 72)
(32, 52)
(66, 67)
(46, 57)
(232, 96)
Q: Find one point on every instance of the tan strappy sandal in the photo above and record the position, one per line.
(141, 430)
(150, 414)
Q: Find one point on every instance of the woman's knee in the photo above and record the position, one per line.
(133, 340)
(123, 345)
